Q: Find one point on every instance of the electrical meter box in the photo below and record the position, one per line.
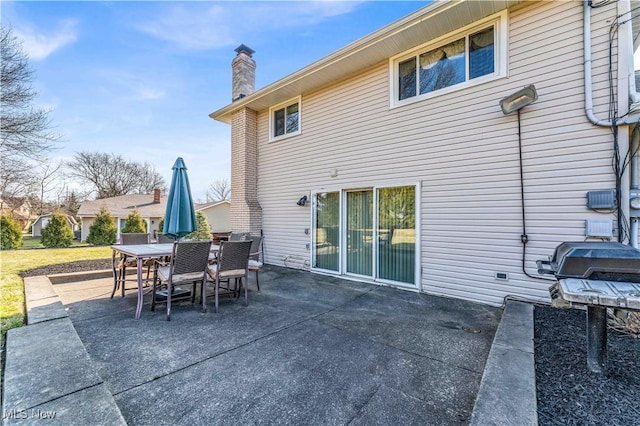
(605, 199)
(634, 201)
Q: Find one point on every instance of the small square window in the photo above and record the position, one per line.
(285, 120)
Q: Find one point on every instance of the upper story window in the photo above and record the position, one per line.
(284, 119)
(475, 54)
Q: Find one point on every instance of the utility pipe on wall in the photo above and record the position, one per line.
(626, 86)
(635, 184)
(588, 80)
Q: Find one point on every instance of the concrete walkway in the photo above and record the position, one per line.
(308, 349)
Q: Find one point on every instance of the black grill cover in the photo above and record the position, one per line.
(592, 260)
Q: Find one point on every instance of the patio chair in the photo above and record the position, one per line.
(188, 266)
(255, 257)
(238, 236)
(121, 263)
(233, 236)
(233, 263)
(163, 239)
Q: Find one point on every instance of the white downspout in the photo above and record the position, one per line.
(626, 86)
(635, 184)
(588, 80)
(588, 83)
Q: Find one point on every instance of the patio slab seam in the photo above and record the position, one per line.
(404, 350)
(507, 393)
(48, 351)
(358, 413)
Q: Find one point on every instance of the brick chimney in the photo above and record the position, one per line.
(246, 213)
(156, 196)
(244, 73)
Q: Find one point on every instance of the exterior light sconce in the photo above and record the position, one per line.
(515, 102)
(302, 201)
(519, 99)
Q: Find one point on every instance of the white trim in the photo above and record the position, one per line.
(501, 59)
(374, 242)
(281, 105)
(418, 210)
(312, 230)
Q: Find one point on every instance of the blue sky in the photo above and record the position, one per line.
(140, 78)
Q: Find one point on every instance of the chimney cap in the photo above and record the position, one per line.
(245, 49)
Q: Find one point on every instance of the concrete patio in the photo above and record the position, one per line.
(309, 349)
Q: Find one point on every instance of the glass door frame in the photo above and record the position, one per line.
(342, 268)
(344, 235)
(314, 202)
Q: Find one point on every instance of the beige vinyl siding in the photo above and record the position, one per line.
(218, 217)
(85, 226)
(463, 152)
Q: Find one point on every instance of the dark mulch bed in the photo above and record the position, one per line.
(64, 268)
(568, 393)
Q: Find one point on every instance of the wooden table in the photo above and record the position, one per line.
(142, 252)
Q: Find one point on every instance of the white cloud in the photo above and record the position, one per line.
(201, 27)
(128, 85)
(150, 94)
(193, 27)
(39, 45)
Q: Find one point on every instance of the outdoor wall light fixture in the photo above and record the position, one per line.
(302, 201)
(515, 102)
(519, 99)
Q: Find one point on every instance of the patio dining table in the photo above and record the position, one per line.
(142, 252)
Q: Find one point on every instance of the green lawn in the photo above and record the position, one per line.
(12, 262)
(29, 242)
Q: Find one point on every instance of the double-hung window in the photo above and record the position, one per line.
(471, 56)
(284, 119)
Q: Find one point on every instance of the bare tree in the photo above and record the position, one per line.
(149, 179)
(111, 175)
(25, 135)
(25, 131)
(49, 173)
(71, 203)
(17, 180)
(219, 190)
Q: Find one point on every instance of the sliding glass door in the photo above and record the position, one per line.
(367, 232)
(326, 238)
(397, 234)
(359, 221)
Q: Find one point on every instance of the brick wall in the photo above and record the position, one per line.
(246, 213)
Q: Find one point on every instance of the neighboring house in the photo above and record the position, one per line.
(42, 221)
(391, 161)
(18, 208)
(217, 214)
(150, 206)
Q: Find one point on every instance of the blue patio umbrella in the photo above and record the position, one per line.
(180, 216)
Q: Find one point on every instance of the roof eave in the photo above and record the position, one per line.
(368, 51)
